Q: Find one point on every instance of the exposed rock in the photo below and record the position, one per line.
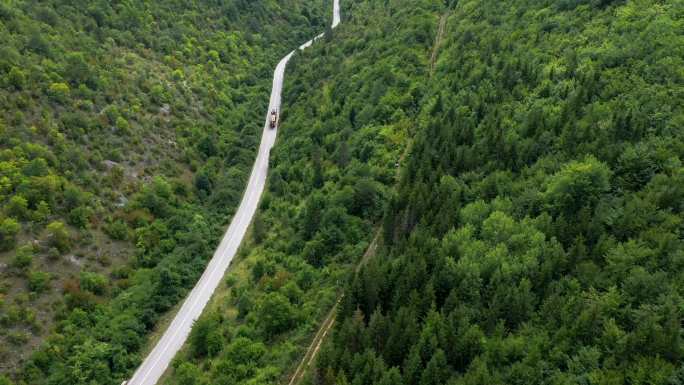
(123, 201)
(72, 258)
(110, 164)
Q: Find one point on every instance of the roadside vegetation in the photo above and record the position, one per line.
(536, 233)
(127, 132)
(347, 107)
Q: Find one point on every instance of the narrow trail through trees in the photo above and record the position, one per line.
(329, 321)
(438, 41)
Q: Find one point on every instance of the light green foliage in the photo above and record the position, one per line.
(38, 281)
(42, 212)
(86, 363)
(17, 207)
(122, 125)
(93, 282)
(23, 257)
(178, 75)
(59, 92)
(9, 227)
(59, 236)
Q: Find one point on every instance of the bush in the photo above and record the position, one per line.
(275, 314)
(80, 216)
(117, 230)
(205, 337)
(122, 125)
(178, 75)
(188, 374)
(17, 207)
(41, 213)
(59, 236)
(9, 228)
(38, 281)
(23, 257)
(93, 282)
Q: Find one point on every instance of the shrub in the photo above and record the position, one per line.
(122, 125)
(93, 282)
(275, 314)
(17, 207)
(59, 236)
(38, 281)
(80, 216)
(9, 228)
(23, 257)
(117, 230)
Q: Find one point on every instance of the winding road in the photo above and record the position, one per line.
(174, 337)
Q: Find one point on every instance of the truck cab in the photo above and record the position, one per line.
(273, 121)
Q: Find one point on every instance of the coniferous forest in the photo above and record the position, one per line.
(493, 189)
(535, 235)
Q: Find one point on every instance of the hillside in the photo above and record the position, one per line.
(531, 233)
(519, 164)
(332, 170)
(535, 235)
(127, 131)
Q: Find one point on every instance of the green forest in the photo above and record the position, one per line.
(518, 165)
(127, 132)
(536, 233)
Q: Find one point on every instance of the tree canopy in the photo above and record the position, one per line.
(127, 132)
(535, 233)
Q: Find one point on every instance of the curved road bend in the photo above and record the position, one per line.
(174, 337)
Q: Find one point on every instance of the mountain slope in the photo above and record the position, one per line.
(536, 233)
(332, 168)
(127, 133)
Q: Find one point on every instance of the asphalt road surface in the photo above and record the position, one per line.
(174, 337)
